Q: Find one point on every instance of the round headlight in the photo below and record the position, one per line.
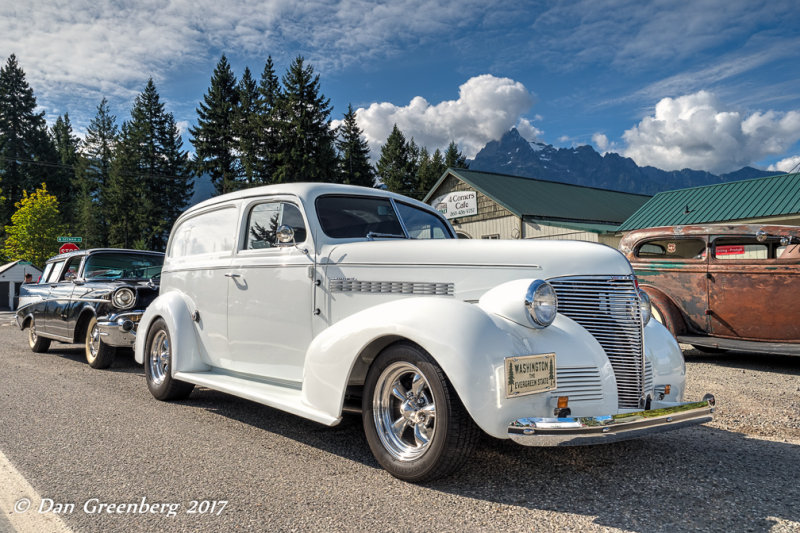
(644, 307)
(542, 303)
(123, 298)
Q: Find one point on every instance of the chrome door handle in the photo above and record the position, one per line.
(229, 275)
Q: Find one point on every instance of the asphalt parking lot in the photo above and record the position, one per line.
(88, 437)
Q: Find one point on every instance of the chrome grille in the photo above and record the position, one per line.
(392, 287)
(608, 307)
(579, 383)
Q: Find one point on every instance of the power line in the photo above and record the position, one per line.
(48, 164)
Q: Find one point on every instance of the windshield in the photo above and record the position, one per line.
(343, 217)
(123, 266)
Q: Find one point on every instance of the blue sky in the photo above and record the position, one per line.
(704, 84)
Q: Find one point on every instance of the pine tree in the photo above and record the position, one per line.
(307, 141)
(397, 166)
(150, 181)
(92, 177)
(247, 129)
(267, 121)
(35, 226)
(429, 170)
(453, 158)
(62, 181)
(354, 165)
(24, 140)
(214, 137)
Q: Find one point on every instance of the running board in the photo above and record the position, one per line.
(283, 398)
(779, 348)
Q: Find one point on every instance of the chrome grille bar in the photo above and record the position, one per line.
(608, 308)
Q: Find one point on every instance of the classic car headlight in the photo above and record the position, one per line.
(123, 298)
(542, 303)
(644, 307)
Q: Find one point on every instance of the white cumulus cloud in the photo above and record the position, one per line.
(487, 107)
(696, 131)
(790, 164)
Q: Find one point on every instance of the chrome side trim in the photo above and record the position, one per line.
(611, 428)
(392, 287)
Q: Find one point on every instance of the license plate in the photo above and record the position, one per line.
(529, 374)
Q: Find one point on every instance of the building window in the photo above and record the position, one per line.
(492, 236)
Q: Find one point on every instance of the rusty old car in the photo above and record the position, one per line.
(722, 287)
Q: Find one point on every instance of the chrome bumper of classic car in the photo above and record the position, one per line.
(119, 330)
(603, 429)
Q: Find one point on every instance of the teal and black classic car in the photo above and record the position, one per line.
(95, 297)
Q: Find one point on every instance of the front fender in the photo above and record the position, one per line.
(469, 344)
(174, 309)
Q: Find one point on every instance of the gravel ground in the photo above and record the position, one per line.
(78, 433)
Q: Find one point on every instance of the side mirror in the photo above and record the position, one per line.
(285, 234)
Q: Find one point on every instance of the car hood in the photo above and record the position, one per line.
(473, 266)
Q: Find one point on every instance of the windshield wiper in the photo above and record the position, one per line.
(372, 235)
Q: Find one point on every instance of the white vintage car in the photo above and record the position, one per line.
(319, 299)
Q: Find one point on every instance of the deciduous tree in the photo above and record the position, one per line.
(35, 228)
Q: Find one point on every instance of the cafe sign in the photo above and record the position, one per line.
(457, 204)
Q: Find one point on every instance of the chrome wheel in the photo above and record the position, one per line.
(404, 411)
(32, 337)
(159, 357)
(93, 342)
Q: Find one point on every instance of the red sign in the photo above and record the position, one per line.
(68, 247)
(730, 250)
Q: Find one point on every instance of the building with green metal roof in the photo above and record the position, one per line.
(499, 206)
(774, 200)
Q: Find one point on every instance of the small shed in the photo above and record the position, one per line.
(486, 205)
(12, 275)
(770, 200)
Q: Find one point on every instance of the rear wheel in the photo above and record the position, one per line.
(158, 365)
(414, 422)
(98, 353)
(38, 344)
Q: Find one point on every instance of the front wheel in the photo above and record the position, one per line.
(158, 365)
(98, 353)
(414, 422)
(38, 344)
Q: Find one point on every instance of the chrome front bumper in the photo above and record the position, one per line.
(119, 330)
(603, 429)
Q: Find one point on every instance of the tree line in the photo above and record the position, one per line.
(124, 185)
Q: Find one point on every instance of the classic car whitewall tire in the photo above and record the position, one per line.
(158, 365)
(98, 353)
(414, 422)
(38, 344)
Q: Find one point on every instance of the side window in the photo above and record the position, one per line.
(212, 232)
(72, 269)
(732, 249)
(422, 224)
(47, 269)
(264, 220)
(788, 253)
(52, 277)
(672, 249)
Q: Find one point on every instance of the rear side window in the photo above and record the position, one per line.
(212, 232)
(672, 249)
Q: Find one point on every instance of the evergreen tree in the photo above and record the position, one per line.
(24, 140)
(62, 180)
(214, 137)
(396, 166)
(267, 121)
(429, 170)
(150, 181)
(92, 177)
(354, 165)
(307, 141)
(34, 228)
(247, 129)
(453, 158)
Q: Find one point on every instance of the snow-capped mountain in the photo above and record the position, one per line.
(582, 165)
